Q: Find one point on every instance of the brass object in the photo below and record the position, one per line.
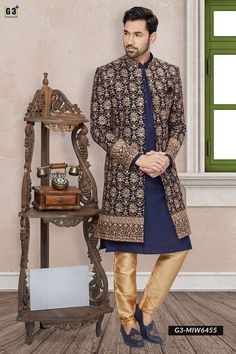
(74, 171)
(41, 172)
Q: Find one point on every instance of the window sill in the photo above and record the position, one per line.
(209, 188)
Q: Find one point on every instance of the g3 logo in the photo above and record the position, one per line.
(11, 11)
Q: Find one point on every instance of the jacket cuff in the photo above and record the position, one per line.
(123, 153)
(171, 161)
(173, 148)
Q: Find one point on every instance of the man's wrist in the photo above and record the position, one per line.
(170, 159)
(139, 159)
(136, 158)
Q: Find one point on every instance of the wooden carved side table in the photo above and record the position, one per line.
(53, 111)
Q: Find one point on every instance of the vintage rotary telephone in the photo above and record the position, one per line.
(59, 180)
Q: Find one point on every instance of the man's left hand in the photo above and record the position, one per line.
(161, 164)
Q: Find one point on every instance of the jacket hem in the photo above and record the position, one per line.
(181, 223)
(120, 228)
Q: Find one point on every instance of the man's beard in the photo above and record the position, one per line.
(136, 53)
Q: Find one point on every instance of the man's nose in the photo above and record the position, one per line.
(131, 40)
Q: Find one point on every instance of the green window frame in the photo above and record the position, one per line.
(216, 45)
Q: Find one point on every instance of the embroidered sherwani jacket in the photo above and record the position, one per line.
(118, 126)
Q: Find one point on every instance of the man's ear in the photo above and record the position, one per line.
(153, 37)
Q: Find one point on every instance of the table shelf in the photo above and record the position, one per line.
(83, 212)
(71, 314)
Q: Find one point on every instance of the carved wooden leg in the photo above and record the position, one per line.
(98, 285)
(43, 326)
(29, 326)
(98, 326)
(23, 291)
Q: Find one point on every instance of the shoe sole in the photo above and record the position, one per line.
(151, 341)
(133, 345)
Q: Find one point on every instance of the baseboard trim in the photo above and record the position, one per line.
(190, 281)
(185, 281)
(9, 281)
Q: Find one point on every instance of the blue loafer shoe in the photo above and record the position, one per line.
(133, 339)
(148, 332)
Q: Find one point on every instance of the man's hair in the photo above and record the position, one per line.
(141, 13)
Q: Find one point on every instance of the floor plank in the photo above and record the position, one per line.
(8, 319)
(223, 310)
(228, 298)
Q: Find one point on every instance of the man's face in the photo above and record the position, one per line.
(136, 38)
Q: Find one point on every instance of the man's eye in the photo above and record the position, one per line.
(138, 35)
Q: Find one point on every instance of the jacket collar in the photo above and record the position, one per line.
(152, 62)
(145, 65)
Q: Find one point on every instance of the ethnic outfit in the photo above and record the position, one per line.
(136, 108)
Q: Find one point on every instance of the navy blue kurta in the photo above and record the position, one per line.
(159, 231)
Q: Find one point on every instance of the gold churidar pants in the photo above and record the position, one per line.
(163, 275)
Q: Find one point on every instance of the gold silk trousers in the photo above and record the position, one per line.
(162, 277)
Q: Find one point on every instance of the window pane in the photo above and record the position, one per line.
(224, 23)
(224, 134)
(224, 79)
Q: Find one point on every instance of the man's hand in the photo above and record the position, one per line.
(154, 163)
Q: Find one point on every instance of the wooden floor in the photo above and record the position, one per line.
(179, 308)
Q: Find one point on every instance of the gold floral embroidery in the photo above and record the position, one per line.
(132, 87)
(181, 222)
(136, 336)
(173, 147)
(156, 100)
(124, 73)
(133, 117)
(138, 73)
(123, 152)
(119, 228)
(126, 101)
(118, 86)
(160, 72)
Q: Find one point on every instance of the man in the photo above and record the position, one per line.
(137, 117)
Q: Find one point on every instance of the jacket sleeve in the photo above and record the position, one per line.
(100, 122)
(176, 122)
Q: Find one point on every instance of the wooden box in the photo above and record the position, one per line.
(49, 198)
